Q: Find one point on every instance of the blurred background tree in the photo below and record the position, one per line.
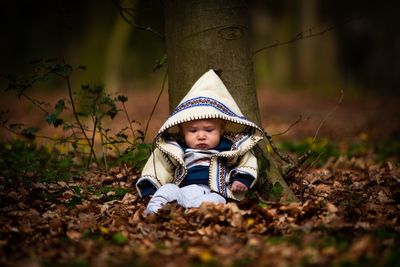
(355, 45)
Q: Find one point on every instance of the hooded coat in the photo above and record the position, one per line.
(207, 99)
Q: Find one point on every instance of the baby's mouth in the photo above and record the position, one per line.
(202, 145)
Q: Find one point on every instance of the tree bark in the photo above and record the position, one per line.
(213, 34)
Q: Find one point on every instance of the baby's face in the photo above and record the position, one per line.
(202, 134)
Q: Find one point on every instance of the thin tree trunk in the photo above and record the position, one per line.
(213, 34)
(115, 52)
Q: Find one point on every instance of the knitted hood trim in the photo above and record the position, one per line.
(209, 99)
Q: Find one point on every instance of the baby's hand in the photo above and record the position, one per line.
(239, 187)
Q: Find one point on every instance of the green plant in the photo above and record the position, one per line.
(109, 193)
(24, 161)
(81, 130)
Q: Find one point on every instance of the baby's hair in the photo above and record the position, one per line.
(221, 121)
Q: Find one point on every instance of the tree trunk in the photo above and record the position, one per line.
(213, 34)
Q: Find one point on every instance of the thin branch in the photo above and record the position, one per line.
(292, 165)
(155, 105)
(129, 120)
(327, 115)
(262, 200)
(303, 36)
(91, 144)
(22, 87)
(126, 12)
(77, 117)
(104, 147)
(300, 119)
(307, 154)
(55, 140)
(316, 159)
(109, 141)
(285, 158)
(34, 102)
(304, 157)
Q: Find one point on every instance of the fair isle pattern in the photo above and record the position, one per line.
(179, 175)
(206, 101)
(221, 178)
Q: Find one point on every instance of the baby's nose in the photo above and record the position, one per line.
(201, 135)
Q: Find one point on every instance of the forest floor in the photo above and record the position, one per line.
(348, 213)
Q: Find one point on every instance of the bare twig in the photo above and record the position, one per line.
(21, 87)
(103, 146)
(300, 119)
(316, 159)
(285, 158)
(74, 109)
(327, 115)
(128, 15)
(129, 120)
(155, 105)
(103, 134)
(303, 36)
(262, 200)
(95, 121)
(34, 102)
(56, 140)
(303, 157)
(292, 165)
(306, 155)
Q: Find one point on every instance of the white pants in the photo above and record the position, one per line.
(191, 196)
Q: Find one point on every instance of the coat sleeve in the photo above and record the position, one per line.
(247, 167)
(157, 171)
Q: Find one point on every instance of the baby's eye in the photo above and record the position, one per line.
(192, 130)
(209, 130)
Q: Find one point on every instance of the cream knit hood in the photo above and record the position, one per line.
(207, 99)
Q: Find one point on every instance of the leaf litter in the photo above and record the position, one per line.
(348, 215)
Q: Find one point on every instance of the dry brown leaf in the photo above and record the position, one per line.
(74, 235)
(331, 207)
(362, 247)
(323, 189)
(293, 208)
(237, 220)
(383, 198)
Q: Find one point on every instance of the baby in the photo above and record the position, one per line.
(203, 151)
(205, 136)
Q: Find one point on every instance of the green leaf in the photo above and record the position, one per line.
(161, 62)
(120, 192)
(29, 133)
(119, 238)
(275, 240)
(77, 190)
(262, 205)
(74, 201)
(16, 126)
(122, 98)
(53, 117)
(63, 70)
(275, 191)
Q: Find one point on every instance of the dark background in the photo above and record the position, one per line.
(359, 50)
